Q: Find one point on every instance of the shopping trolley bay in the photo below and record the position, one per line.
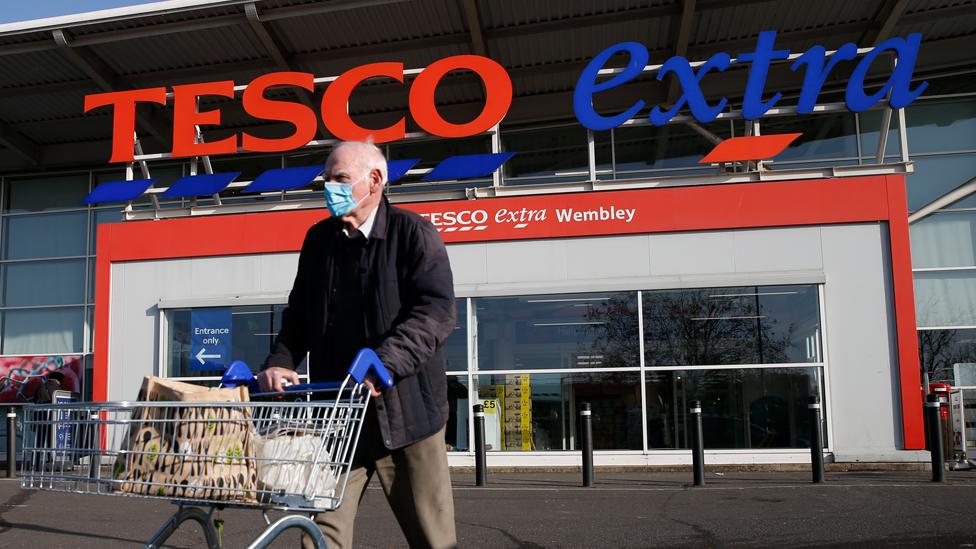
(532, 509)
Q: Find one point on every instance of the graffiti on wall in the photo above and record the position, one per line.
(21, 375)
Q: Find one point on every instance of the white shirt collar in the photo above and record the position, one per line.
(367, 227)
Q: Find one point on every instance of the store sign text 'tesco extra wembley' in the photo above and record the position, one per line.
(815, 62)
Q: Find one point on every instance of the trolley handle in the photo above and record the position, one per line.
(366, 361)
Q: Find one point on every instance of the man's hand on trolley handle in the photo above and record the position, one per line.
(276, 378)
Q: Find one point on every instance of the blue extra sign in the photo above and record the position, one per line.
(814, 64)
(210, 338)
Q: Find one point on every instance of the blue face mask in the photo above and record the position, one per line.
(338, 197)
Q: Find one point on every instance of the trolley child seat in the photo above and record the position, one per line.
(293, 456)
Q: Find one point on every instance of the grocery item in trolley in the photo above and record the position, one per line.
(292, 451)
(294, 463)
(193, 452)
(210, 448)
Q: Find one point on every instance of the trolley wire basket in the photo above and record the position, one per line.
(292, 456)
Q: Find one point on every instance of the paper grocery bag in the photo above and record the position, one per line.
(195, 451)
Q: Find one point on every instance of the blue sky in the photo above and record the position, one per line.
(24, 10)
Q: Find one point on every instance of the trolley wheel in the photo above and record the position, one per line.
(179, 517)
(291, 521)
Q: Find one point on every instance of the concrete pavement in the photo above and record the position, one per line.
(863, 509)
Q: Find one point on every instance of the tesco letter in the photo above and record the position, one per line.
(296, 114)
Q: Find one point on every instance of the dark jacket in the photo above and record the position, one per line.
(45, 391)
(409, 312)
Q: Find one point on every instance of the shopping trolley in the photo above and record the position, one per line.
(292, 456)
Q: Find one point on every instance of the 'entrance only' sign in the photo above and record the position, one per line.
(210, 338)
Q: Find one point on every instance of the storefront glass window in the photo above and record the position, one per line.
(870, 122)
(253, 329)
(603, 151)
(47, 235)
(823, 136)
(739, 325)
(90, 318)
(431, 153)
(455, 349)
(945, 239)
(945, 298)
(549, 155)
(459, 409)
(936, 175)
(63, 283)
(538, 412)
(558, 331)
(249, 166)
(43, 331)
(46, 193)
(747, 408)
(309, 157)
(938, 126)
(642, 151)
(948, 355)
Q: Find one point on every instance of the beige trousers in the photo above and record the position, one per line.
(417, 484)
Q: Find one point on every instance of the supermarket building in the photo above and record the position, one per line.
(601, 262)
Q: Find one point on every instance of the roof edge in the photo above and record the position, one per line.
(111, 14)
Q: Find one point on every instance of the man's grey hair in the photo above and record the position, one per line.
(370, 157)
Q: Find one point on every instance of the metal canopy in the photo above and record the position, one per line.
(49, 65)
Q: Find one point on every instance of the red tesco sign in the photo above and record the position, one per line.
(423, 109)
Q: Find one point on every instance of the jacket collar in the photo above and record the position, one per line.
(382, 222)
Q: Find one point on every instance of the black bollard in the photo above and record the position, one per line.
(925, 423)
(697, 443)
(932, 405)
(480, 459)
(586, 442)
(11, 442)
(816, 441)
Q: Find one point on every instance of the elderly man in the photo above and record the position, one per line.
(376, 276)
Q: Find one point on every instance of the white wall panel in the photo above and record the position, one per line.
(849, 259)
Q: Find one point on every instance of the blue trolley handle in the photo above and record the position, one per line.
(365, 362)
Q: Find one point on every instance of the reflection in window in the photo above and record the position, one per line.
(46, 193)
(558, 331)
(948, 354)
(33, 283)
(870, 122)
(456, 432)
(743, 325)
(249, 166)
(946, 239)
(431, 153)
(43, 331)
(538, 412)
(937, 126)
(253, 329)
(937, 175)
(455, 349)
(945, 298)
(559, 154)
(638, 149)
(45, 235)
(823, 136)
(754, 408)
